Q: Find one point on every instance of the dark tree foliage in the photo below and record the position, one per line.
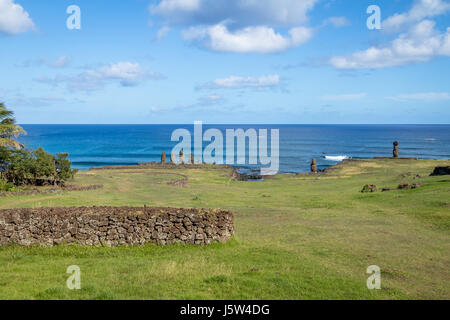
(20, 167)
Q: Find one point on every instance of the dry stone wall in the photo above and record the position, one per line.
(114, 226)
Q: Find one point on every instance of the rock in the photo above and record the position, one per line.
(406, 186)
(441, 171)
(369, 188)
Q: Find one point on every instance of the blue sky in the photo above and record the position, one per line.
(226, 61)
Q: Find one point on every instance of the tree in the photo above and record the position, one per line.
(9, 130)
(44, 165)
(63, 167)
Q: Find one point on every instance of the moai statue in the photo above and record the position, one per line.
(396, 149)
(163, 158)
(172, 158)
(192, 159)
(313, 166)
(181, 157)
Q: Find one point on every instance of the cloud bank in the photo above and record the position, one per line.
(127, 74)
(13, 18)
(240, 26)
(237, 82)
(420, 43)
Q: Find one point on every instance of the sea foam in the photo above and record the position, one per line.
(336, 158)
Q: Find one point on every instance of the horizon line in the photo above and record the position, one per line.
(239, 124)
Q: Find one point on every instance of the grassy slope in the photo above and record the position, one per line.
(298, 237)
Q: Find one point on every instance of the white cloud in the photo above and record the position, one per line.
(242, 26)
(61, 62)
(162, 32)
(345, 97)
(242, 12)
(259, 39)
(126, 73)
(13, 18)
(425, 96)
(337, 22)
(211, 100)
(422, 43)
(236, 82)
(170, 6)
(421, 9)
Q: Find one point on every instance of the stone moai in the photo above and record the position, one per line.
(172, 158)
(192, 159)
(163, 158)
(314, 166)
(396, 149)
(181, 157)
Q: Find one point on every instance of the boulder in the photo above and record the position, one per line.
(441, 171)
(369, 188)
(407, 186)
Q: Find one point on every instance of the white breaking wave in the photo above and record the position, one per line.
(336, 158)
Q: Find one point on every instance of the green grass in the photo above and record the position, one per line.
(297, 237)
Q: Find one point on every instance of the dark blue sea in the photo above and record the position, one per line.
(107, 145)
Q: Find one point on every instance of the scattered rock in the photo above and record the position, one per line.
(407, 186)
(410, 175)
(239, 176)
(369, 188)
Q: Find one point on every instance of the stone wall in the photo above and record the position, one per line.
(114, 226)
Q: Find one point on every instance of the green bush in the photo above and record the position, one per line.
(6, 186)
(63, 167)
(26, 167)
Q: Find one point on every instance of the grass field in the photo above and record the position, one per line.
(297, 237)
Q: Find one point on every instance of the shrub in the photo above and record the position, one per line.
(25, 167)
(6, 186)
(63, 167)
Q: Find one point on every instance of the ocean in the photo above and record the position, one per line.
(108, 145)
